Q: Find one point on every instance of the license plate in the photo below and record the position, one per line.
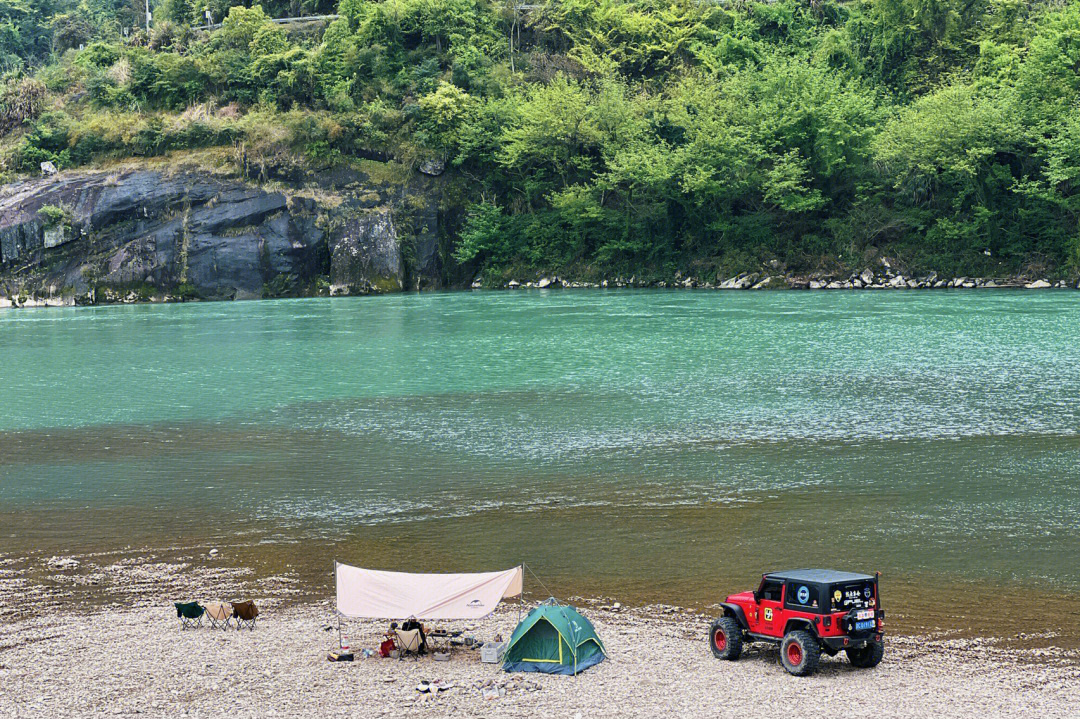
(865, 614)
(859, 626)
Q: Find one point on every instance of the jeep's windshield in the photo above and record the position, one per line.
(851, 595)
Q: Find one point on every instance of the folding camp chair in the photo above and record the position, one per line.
(219, 614)
(409, 642)
(190, 614)
(245, 613)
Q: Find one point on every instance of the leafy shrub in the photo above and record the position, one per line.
(54, 215)
(99, 55)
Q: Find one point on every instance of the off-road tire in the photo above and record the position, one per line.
(866, 657)
(725, 639)
(799, 653)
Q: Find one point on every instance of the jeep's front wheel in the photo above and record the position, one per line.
(799, 653)
(725, 638)
(866, 657)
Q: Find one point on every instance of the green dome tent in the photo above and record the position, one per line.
(553, 639)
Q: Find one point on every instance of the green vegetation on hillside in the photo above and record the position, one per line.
(596, 137)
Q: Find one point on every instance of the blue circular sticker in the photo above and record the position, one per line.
(803, 595)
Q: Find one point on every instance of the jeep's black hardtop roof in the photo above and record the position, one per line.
(820, 576)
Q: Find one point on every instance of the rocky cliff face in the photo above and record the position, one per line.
(84, 237)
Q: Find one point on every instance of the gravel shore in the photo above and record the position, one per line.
(138, 661)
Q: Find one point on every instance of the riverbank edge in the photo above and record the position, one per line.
(867, 280)
(34, 585)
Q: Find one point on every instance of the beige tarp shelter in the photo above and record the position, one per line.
(374, 594)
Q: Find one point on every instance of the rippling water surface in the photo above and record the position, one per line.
(653, 441)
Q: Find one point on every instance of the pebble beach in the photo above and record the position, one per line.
(92, 636)
(112, 662)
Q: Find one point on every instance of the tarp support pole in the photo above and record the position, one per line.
(335, 607)
(521, 597)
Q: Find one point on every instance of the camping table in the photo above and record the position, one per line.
(440, 641)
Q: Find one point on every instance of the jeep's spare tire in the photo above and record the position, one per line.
(866, 657)
(799, 653)
(849, 624)
(725, 638)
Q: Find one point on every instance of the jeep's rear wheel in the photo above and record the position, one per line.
(725, 638)
(799, 653)
(866, 657)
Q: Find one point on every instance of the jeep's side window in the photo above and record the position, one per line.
(772, 591)
(801, 595)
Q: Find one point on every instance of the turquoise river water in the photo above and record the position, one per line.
(664, 444)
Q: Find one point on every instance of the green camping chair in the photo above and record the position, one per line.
(553, 639)
(190, 614)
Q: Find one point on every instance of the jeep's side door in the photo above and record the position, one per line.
(771, 607)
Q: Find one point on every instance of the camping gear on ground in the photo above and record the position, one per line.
(340, 655)
(554, 639)
(386, 647)
(190, 614)
(245, 613)
(409, 641)
(492, 652)
(219, 614)
(373, 594)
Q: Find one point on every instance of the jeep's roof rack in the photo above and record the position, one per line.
(823, 576)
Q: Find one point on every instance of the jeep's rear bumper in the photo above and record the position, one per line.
(837, 643)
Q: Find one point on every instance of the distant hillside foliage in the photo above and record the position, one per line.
(597, 137)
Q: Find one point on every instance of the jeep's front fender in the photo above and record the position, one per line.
(737, 613)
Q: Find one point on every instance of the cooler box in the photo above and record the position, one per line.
(492, 652)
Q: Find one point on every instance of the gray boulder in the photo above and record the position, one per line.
(433, 167)
(365, 256)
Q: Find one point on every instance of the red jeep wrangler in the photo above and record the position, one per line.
(807, 611)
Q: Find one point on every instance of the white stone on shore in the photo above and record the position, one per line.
(1037, 285)
(62, 563)
(738, 282)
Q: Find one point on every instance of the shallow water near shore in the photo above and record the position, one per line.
(662, 445)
